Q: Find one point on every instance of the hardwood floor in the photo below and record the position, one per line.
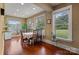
(14, 47)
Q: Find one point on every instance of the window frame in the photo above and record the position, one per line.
(39, 16)
(69, 24)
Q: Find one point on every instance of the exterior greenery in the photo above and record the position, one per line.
(62, 34)
(62, 26)
(62, 22)
(24, 26)
(40, 24)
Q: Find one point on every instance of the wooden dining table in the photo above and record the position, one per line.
(28, 35)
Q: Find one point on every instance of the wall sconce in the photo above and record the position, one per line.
(49, 21)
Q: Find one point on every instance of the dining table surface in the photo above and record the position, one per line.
(28, 35)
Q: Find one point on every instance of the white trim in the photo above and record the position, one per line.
(53, 23)
(66, 47)
(68, 40)
(70, 21)
(63, 8)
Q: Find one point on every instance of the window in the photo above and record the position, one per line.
(14, 25)
(37, 22)
(30, 24)
(40, 22)
(62, 23)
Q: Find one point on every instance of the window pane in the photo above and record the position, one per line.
(30, 24)
(40, 22)
(61, 24)
(14, 26)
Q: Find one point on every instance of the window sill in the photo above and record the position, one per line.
(63, 40)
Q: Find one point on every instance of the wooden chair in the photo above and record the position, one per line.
(23, 40)
(39, 35)
(33, 38)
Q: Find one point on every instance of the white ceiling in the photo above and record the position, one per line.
(21, 10)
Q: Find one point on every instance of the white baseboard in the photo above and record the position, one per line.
(69, 48)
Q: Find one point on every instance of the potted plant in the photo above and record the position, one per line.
(24, 27)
